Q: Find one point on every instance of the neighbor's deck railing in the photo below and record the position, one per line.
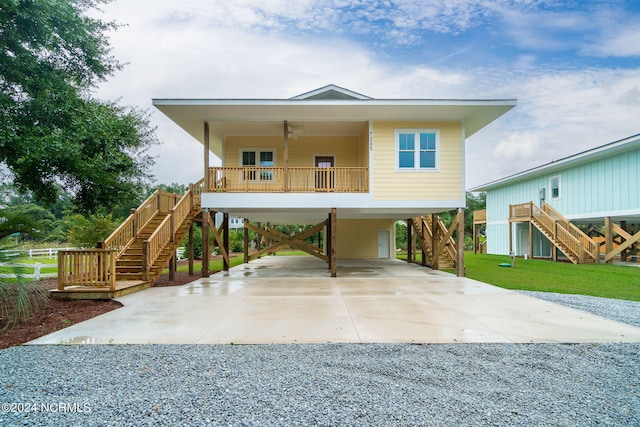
(87, 267)
(293, 179)
(576, 242)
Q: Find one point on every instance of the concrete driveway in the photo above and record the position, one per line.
(282, 299)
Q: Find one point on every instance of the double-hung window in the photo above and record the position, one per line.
(417, 149)
(258, 159)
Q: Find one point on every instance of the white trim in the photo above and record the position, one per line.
(464, 164)
(603, 151)
(416, 153)
(258, 151)
(335, 165)
(371, 142)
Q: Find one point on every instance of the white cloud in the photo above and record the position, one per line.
(623, 42)
(241, 49)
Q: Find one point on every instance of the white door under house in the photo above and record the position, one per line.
(384, 242)
(524, 243)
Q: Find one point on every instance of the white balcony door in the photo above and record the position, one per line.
(324, 180)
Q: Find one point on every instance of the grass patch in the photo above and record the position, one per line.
(600, 280)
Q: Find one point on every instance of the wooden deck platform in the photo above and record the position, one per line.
(123, 287)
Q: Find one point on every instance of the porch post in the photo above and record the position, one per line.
(608, 236)
(409, 240)
(225, 240)
(245, 242)
(332, 254)
(205, 243)
(460, 260)
(286, 156)
(206, 157)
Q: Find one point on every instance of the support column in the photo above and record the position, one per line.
(460, 243)
(191, 255)
(623, 254)
(530, 240)
(409, 240)
(285, 153)
(332, 253)
(205, 243)
(172, 268)
(245, 242)
(259, 240)
(206, 158)
(608, 236)
(225, 238)
(435, 218)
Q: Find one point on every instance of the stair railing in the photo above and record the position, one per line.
(165, 232)
(590, 246)
(571, 246)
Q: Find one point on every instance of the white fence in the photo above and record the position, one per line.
(37, 267)
(48, 252)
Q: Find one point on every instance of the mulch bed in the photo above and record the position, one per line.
(59, 314)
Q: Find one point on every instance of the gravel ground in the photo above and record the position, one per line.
(331, 384)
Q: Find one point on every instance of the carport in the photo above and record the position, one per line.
(293, 299)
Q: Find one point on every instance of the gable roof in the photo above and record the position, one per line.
(606, 150)
(331, 92)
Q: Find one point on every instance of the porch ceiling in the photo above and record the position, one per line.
(325, 116)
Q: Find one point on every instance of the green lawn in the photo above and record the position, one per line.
(602, 280)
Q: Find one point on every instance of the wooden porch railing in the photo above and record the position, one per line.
(298, 179)
(87, 267)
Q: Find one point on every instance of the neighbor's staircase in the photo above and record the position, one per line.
(576, 245)
(424, 228)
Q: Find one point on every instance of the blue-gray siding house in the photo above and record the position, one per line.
(597, 187)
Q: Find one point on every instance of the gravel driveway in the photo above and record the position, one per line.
(329, 384)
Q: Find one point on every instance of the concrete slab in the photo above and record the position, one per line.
(283, 299)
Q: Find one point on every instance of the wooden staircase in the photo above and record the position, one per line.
(443, 245)
(133, 257)
(576, 245)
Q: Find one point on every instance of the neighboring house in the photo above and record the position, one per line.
(350, 163)
(597, 189)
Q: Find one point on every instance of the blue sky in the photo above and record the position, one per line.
(574, 66)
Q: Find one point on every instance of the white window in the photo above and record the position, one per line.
(417, 149)
(554, 185)
(261, 159)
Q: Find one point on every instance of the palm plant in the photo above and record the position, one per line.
(19, 298)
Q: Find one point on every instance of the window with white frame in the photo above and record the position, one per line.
(261, 159)
(417, 149)
(554, 185)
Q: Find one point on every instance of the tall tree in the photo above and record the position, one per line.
(52, 132)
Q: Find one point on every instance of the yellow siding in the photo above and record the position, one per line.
(444, 184)
(358, 238)
(364, 147)
(302, 150)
